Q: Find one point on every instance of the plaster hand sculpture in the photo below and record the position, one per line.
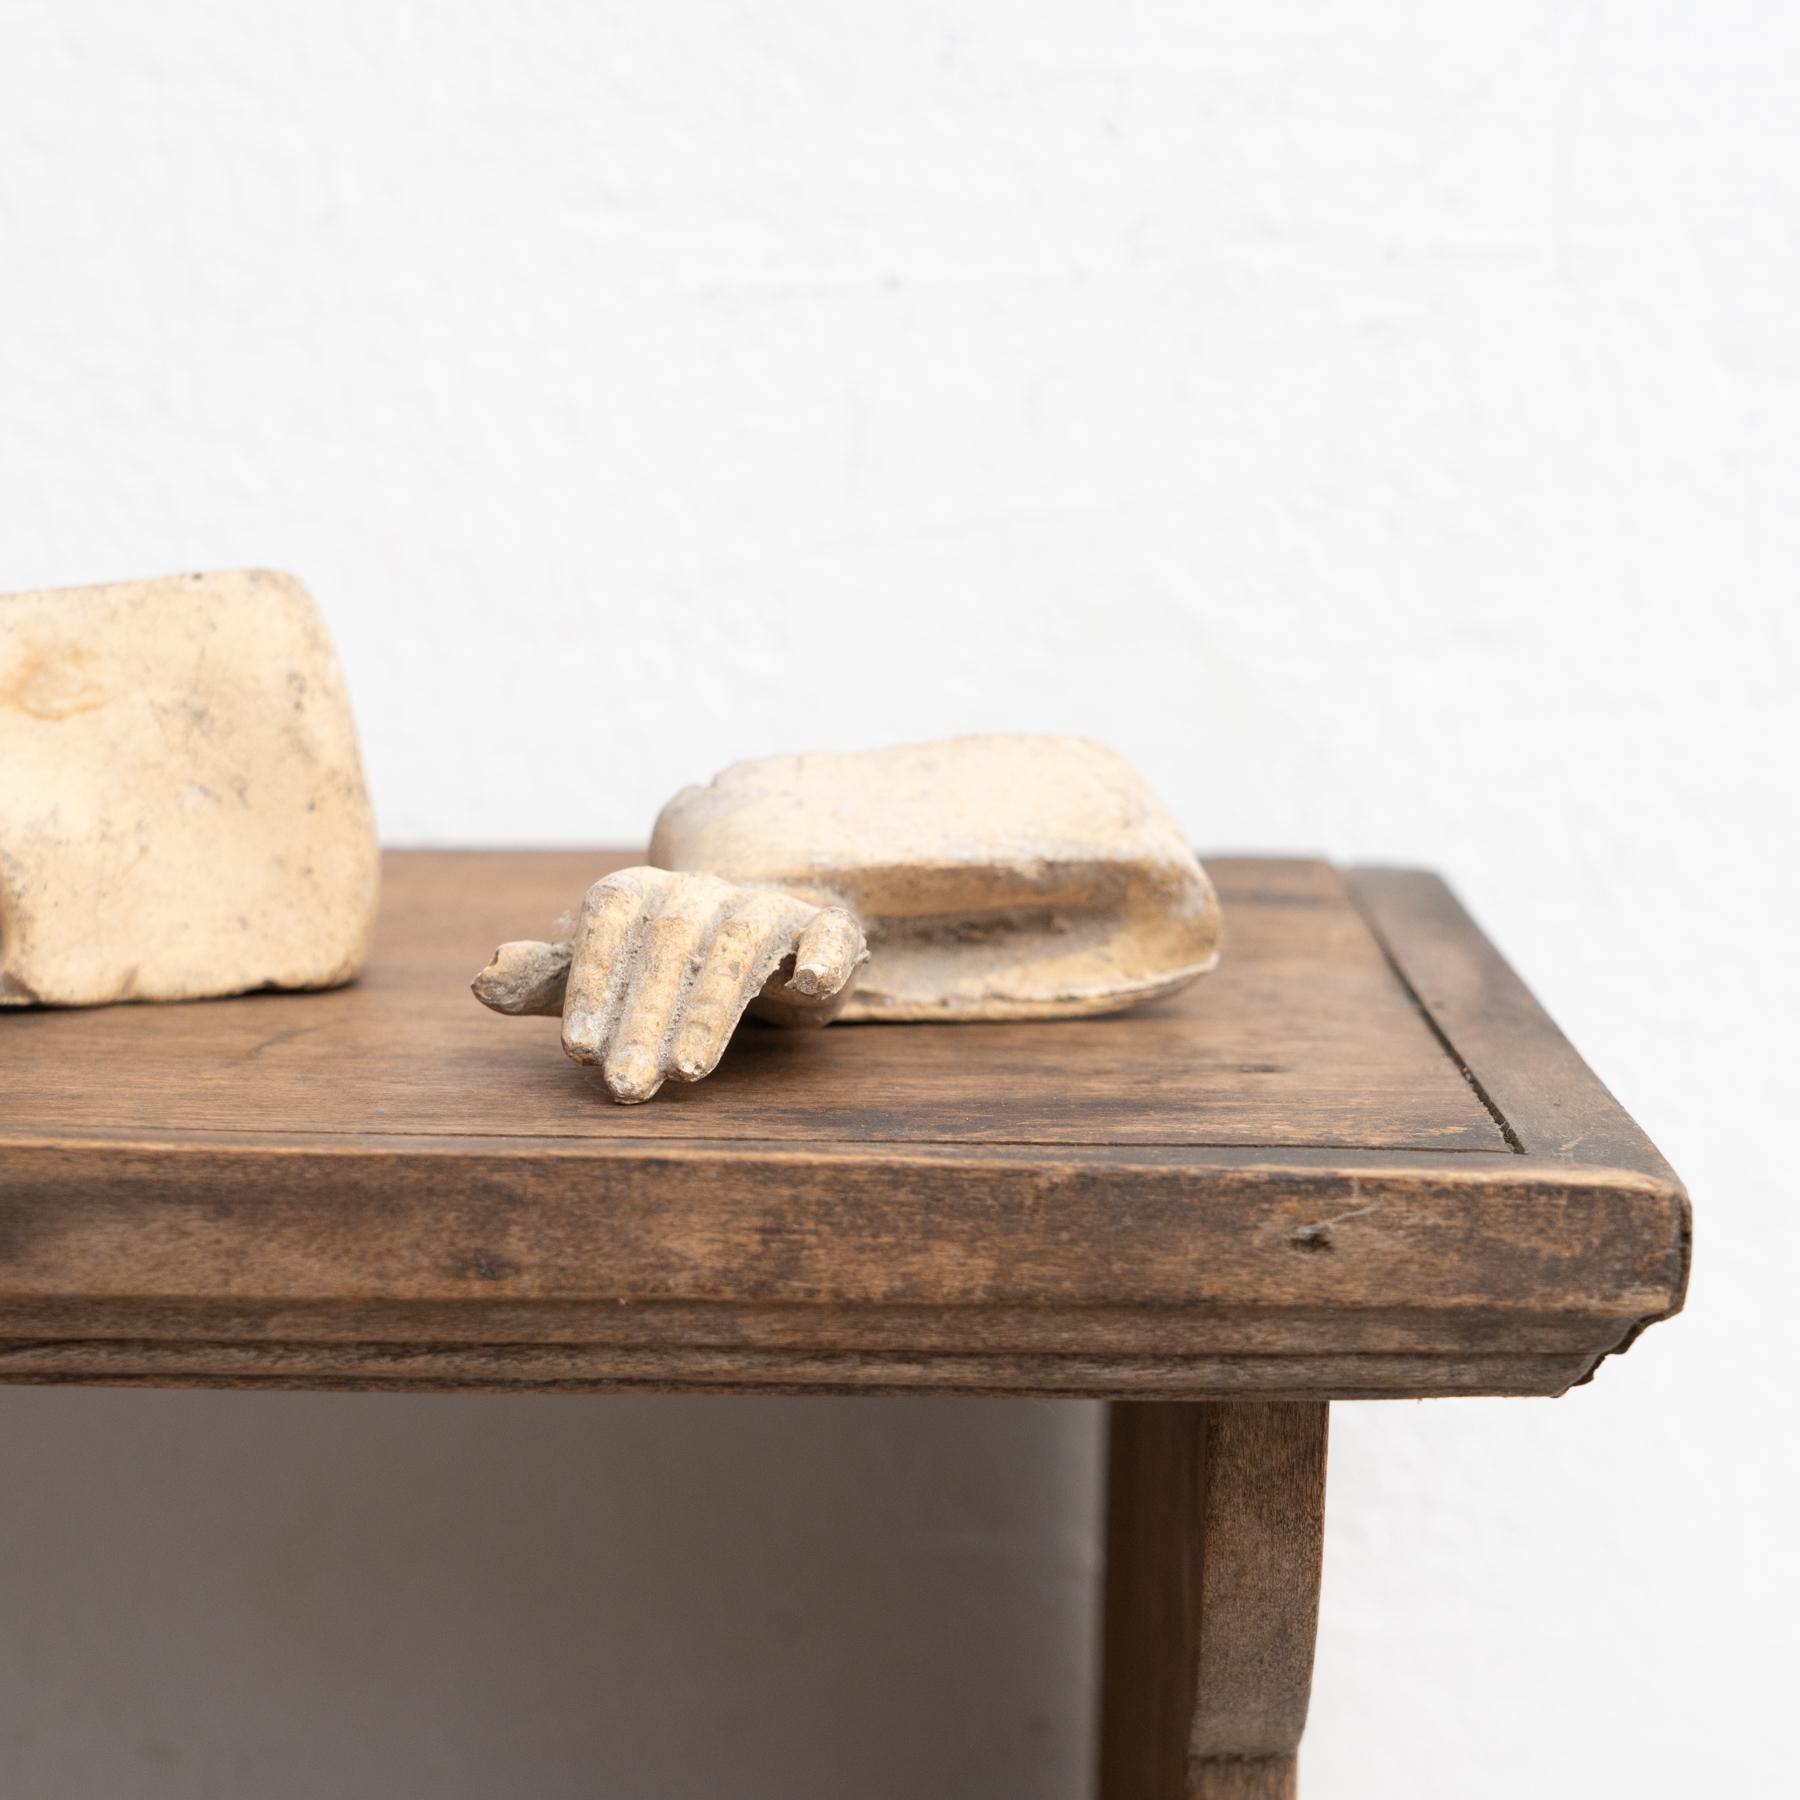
(182, 808)
(1004, 877)
(662, 966)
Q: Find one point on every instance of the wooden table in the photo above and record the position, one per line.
(1358, 1161)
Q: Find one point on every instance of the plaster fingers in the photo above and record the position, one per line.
(525, 977)
(810, 987)
(669, 957)
(830, 950)
(750, 944)
(610, 914)
(663, 964)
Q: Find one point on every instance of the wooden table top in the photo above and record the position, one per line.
(1356, 1161)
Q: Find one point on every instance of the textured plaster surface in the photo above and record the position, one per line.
(659, 968)
(182, 808)
(1379, 423)
(1020, 876)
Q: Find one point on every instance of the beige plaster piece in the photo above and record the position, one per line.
(994, 877)
(997, 877)
(662, 966)
(182, 806)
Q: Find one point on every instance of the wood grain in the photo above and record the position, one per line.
(1536, 1086)
(1215, 1535)
(1295, 1180)
(1302, 1037)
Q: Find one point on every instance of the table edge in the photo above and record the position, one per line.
(1408, 1233)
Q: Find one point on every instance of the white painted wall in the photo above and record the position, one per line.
(1378, 421)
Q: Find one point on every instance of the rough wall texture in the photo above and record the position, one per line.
(1378, 422)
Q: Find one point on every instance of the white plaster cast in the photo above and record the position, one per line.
(182, 805)
(998, 877)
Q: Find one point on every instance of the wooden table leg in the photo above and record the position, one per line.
(1214, 1532)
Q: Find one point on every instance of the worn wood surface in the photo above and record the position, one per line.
(1214, 1544)
(1357, 1160)
(1303, 1039)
